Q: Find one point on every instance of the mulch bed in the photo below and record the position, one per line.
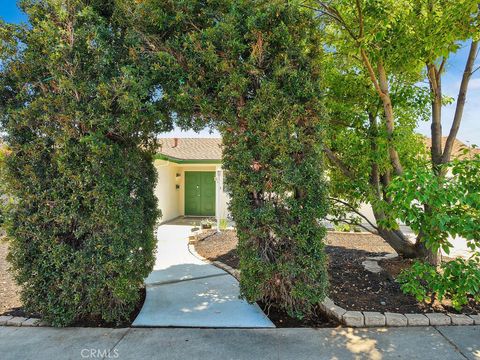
(351, 285)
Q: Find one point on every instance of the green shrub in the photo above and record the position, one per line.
(343, 227)
(457, 280)
(253, 69)
(78, 122)
(223, 224)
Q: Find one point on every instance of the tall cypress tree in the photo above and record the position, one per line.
(78, 109)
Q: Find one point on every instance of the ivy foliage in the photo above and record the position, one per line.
(253, 69)
(78, 113)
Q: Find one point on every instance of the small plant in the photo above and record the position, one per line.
(194, 227)
(343, 228)
(457, 280)
(223, 224)
(207, 223)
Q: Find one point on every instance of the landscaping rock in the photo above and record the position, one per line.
(372, 266)
(353, 319)
(16, 321)
(438, 319)
(417, 320)
(31, 322)
(393, 319)
(475, 318)
(373, 318)
(4, 319)
(461, 319)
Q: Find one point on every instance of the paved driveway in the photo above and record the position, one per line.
(184, 291)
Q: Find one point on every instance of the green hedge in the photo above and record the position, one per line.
(78, 122)
(272, 157)
(253, 68)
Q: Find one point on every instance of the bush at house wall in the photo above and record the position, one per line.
(78, 121)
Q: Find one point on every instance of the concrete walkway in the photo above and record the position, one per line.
(183, 291)
(425, 343)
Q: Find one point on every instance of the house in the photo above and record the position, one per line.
(190, 181)
(190, 178)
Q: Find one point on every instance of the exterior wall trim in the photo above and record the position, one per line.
(187, 161)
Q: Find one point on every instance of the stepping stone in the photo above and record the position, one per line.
(372, 266)
(209, 302)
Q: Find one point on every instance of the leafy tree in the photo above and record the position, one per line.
(253, 69)
(78, 110)
(389, 43)
(454, 202)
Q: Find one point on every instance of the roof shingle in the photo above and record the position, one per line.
(191, 148)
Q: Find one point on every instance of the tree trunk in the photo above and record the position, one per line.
(389, 119)
(398, 241)
(462, 96)
(432, 257)
(436, 126)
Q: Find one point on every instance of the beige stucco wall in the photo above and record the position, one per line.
(171, 201)
(165, 190)
(223, 198)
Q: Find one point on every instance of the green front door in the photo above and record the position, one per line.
(200, 193)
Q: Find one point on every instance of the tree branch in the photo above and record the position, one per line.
(334, 159)
(462, 96)
(360, 19)
(354, 210)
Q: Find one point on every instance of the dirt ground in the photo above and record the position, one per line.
(9, 297)
(351, 285)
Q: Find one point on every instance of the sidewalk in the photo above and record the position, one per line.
(183, 291)
(263, 344)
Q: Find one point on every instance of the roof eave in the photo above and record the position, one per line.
(186, 161)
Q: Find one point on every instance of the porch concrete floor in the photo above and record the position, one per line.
(183, 291)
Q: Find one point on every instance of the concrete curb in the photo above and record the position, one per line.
(361, 319)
